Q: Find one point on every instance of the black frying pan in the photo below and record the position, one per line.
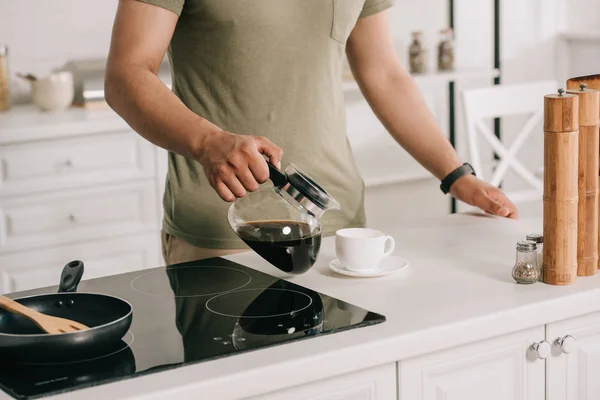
(107, 317)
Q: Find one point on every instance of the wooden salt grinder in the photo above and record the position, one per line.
(587, 221)
(561, 151)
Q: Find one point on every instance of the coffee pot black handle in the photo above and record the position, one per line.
(278, 178)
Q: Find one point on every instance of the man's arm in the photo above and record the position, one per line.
(396, 100)
(140, 38)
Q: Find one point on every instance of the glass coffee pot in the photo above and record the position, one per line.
(281, 222)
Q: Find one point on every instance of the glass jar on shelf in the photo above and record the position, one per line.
(417, 54)
(445, 51)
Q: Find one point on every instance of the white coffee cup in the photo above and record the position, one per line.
(361, 249)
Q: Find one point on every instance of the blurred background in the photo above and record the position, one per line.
(72, 174)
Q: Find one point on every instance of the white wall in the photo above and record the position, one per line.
(579, 54)
(43, 35)
(582, 15)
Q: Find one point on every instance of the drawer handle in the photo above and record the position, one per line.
(72, 218)
(67, 164)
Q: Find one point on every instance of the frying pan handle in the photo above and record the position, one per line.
(279, 179)
(71, 276)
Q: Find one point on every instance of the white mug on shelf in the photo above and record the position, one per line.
(362, 249)
(54, 92)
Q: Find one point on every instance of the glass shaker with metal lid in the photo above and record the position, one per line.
(280, 222)
(526, 270)
(538, 238)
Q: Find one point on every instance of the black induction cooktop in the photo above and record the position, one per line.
(189, 313)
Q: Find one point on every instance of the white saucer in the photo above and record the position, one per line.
(388, 265)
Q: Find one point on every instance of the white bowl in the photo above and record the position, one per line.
(54, 92)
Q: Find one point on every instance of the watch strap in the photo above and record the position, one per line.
(453, 176)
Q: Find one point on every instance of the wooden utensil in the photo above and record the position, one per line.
(47, 323)
(589, 145)
(27, 77)
(561, 151)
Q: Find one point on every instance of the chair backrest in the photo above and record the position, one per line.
(482, 104)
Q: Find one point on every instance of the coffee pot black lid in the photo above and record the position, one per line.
(303, 184)
(309, 188)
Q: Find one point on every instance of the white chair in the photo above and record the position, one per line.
(483, 104)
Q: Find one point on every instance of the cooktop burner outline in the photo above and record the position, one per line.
(261, 290)
(171, 332)
(129, 335)
(171, 294)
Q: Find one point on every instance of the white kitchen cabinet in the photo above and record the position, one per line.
(79, 184)
(40, 268)
(371, 384)
(502, 368)
(572, 369)
(71, 216)
(51, 164)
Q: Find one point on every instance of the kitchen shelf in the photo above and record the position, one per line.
(26, 123)
(581, 36)
(437, 77)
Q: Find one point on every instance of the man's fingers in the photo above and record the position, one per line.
(501, 198)
(493, 206)
(259, 169)
(247, 179)
(224, 192)
(237, 165)
(269, 149)
(234, 185)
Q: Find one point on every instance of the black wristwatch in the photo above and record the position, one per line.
(453, 176)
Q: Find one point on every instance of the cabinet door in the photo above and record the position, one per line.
(574, 376)
(372, 384)
(503, 368)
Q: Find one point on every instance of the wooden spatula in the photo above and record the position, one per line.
(47, 323)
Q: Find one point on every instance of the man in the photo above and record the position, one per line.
(260, 77)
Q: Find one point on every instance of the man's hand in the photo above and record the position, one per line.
(478, 193)
(234, 164)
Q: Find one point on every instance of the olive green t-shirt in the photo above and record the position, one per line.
(271, 68)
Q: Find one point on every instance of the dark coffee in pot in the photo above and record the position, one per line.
(289, 245)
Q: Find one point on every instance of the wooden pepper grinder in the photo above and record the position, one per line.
(589, 145)
(561, 151)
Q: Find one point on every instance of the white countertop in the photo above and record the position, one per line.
(458, 289)
(26, 123)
